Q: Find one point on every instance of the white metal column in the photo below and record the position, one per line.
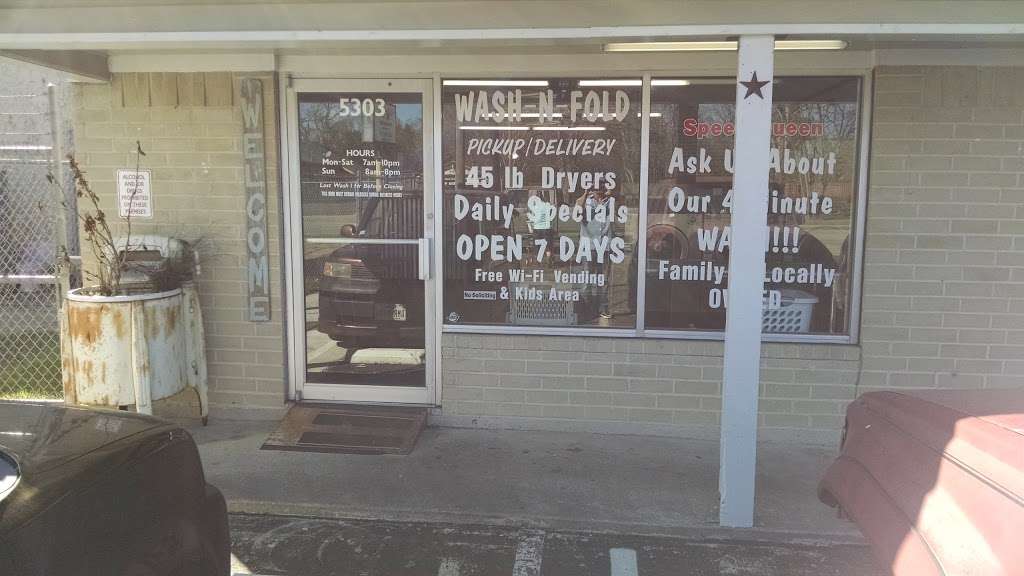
(746, 281)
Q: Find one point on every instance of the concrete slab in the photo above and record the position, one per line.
(552, 480)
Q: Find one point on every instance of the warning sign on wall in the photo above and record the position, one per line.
(134, 193)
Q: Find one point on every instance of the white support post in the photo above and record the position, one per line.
(740, 382)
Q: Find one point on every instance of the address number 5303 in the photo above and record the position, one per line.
(363, 107)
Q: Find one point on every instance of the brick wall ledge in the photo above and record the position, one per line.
(647, 346)
(791, 436)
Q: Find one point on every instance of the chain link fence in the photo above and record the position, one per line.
(31, 228)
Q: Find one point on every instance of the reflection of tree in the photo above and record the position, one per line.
(408, 138)
(839, 129)
(323, 126)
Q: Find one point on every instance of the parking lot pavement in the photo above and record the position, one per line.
(290, 546)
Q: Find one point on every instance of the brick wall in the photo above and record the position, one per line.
(190, 127)
(639, 385)
(944, 277)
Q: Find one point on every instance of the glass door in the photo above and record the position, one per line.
(361, 176)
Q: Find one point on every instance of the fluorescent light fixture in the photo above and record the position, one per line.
(611, 82)
(719, 45)
(494, 127)
(526, 115)
(495, 83)
(810, 44)
(25, 147)
(574, 128)
(669, 82)
(653, 115)
(694, 46)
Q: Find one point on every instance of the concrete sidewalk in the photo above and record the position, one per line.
(551, 480)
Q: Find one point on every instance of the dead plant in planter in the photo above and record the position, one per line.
(120, 260)
(110, 261)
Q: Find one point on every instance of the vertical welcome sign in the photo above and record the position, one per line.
(254, 156)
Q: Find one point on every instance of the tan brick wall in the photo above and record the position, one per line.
(641, 384)
(190, 127)
(944, 270)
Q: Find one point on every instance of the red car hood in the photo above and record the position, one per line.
(1004, 408)
(982, 430)
(935, 480)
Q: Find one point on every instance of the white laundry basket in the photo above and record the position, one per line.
(793, 316)
(539, 312)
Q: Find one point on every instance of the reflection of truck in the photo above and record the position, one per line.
(370, 295)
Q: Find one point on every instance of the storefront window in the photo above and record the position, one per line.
(541, 202)
(812, 202)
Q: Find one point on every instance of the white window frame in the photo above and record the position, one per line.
(640, 331)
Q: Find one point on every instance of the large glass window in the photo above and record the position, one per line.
(812, 201)
(541, 202)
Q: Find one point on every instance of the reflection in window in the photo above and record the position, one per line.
(812, 199)
(541, 202)
(361, 175)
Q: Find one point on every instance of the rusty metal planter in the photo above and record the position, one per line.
(127, 350)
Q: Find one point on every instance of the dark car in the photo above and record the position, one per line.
(94, 492)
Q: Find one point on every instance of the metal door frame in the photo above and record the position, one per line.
(298, 388)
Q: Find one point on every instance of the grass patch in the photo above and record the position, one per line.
(30, 366)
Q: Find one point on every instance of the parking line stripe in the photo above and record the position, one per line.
(449, 567)
(623, 561)
(529, 553)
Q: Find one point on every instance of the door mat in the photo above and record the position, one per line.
(348, 429)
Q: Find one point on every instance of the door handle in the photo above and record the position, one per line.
(423, 250)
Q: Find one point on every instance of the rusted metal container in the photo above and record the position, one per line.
(131, 350)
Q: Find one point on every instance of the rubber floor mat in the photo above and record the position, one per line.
(348, 429)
